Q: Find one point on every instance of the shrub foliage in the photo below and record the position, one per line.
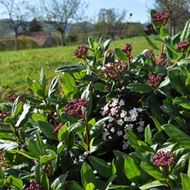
(113, 121)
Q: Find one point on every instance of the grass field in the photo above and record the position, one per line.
(17, 65)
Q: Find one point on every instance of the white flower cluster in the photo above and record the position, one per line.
(122, 118)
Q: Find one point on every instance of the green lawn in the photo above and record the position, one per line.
(16, 66)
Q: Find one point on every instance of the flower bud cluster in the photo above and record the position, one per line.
(114, 69)
(2, 160)
(33, 186)
(81, 52)
(183, 45)
(121, 119)
(162, 60)
(154, 80)
(161, 17)
(149, 54)
(3, 115)
(163, 159)
(128, 50)
(74, 107)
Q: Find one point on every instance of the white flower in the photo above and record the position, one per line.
(120, 122)
(140, 129)
(129, 126)
(114, 111)
(119, 133)
(141, 123)
(133, 114)
(123, 114)
(103, 68)
(105, 134)
(112, 130)
(109, 137)
(115, 102)
(125, 145)
(108, 65)
(139, 109)
(121, 103)
(105, 109)
(127, 119)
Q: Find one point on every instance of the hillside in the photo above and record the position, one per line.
(16, 66)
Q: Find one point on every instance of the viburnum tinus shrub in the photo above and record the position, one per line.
(111, 121)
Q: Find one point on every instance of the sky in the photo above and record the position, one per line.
(139, 8)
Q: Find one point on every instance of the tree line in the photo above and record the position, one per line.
(110, 23)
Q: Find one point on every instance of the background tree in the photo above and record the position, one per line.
(179, 10)
(61, 13)
(16, 12)
(35, 26)
(110, 22)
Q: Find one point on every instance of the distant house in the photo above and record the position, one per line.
(43, 39)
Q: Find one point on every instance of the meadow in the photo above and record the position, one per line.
(17, 65)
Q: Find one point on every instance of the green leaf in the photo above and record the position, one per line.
(42, 82)
(131, 169)
(148, 135)
(87, 175)
(88, 96)
(53, 87)
(73, 185)
(15, 182)
(185, 35)
(177, 135)
(90, 186)
(188, 170)
(139, 88)
(152, 170)
(156, 123)
(59, 182)
(24, 116)
(41, 177)
(71, 68)
(63, 133)
(183, 102)
(45, 159)
(69, 86)
(106, 44)
(40, 145)
(101, 166)
(164, 32)
(47, 129)
(7, 145)
(121, 55)
(185, 181)
(120, 187)
(151, 43)
(152, 184)
(16, 108)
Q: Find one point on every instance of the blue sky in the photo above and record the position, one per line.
(139, 8)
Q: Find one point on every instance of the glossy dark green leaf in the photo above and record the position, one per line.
(151, 43)
(121, 55)
(132, 170)
(59, 182)
(185, 181)
(185, 35)
(15, 182)
(106, 44)
(148, 135)
(183, 102)
(47, 129)
(152, 184)
(24, 116)
(71, 68)
(139, 87)
(152, 171)
(177, 135)
(74, 185)
(101, 166)
(87, 175)
(53, 87)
